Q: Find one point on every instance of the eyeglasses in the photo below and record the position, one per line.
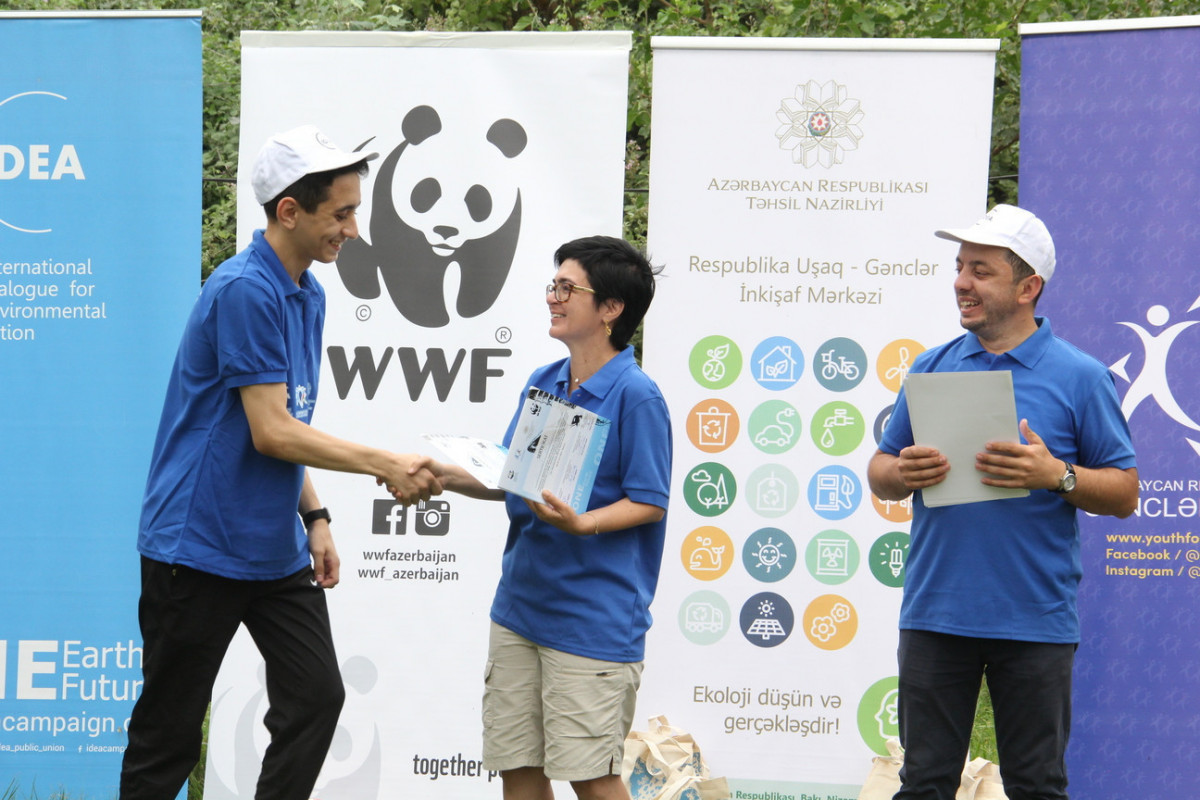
(562, 291)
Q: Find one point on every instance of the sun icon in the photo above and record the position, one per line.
(770, 555)
(766, 608)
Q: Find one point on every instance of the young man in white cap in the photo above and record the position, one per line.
(990, 587)
(232, 531)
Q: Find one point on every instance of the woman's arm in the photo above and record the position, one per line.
(618, 516)
(454, 478)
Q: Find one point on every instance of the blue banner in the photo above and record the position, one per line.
(100, 156)
(1110, 126)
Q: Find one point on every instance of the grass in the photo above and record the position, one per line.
(195, 790)
(983, 735)
(195, 784)
(10, 793)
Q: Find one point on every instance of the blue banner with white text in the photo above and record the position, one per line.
(100, 156)
(1110, 121)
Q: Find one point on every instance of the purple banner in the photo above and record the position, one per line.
(1110, 159)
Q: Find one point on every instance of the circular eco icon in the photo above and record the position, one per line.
(704, 617)
(707, 553)
(881, 421)
(709, 489)
(715, 361)
(712, 425)
(772, 490)
(878, 714)
(894, 361)
(840, 364)
(832, 557)
(894, 510)
(838, 428)
(769, 555)
(774, 427)
(767, 619)
(777, 363)
(830, 622)
(888, 557)
(834, 492)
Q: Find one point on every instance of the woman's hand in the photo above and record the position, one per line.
(557, 513)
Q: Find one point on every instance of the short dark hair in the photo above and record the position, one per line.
(617, 271)
(313, 189)
(1021, 270)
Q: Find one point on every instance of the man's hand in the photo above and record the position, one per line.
(326, 564)
(895, 477)
(1020, 466)
(412, 479)
(921, 467)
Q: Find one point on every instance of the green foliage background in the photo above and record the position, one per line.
(224, 20)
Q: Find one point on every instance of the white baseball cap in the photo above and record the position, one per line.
(1014, 228)
(287, 157)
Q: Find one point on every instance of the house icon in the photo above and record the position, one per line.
(777, 366)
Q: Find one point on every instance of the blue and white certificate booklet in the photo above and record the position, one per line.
(959, 413)
(483, 459)
(556, 446)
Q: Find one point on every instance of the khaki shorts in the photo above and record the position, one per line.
(546, 708)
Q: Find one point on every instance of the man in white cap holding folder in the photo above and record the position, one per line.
(990, 587)
(232, 531)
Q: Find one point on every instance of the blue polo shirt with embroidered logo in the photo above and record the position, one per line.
(590, 595)
(212, 501)
(1010, 569)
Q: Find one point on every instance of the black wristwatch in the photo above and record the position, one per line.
(1066, 484)
(309, 517)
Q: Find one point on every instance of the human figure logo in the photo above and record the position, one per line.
(1152, 382)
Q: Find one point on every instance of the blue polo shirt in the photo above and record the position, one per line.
(1010, 569)
(590, 595)
(212, 501)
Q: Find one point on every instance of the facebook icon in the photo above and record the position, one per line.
(389, 518)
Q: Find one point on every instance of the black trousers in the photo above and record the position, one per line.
(1030, 685)
(188, 619)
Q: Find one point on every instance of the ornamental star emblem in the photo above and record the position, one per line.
(820, 123)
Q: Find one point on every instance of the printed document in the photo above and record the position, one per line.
(556, 446)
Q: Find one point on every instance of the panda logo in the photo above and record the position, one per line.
(440, 198)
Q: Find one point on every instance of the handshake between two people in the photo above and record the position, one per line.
(412, 480)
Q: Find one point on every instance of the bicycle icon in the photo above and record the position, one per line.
(844, 367)
(840, 364)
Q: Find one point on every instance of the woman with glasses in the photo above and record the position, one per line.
(571, 612)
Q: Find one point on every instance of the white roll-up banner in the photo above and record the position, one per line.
(514, 144)
(795, 186)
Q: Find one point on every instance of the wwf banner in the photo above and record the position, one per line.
(99, 261)
(803, 278)
(1110, 118)
(494, 150)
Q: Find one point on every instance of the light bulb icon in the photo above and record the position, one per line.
(889, 558)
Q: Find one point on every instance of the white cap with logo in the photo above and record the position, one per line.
(287, 157)
(1014, 228)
